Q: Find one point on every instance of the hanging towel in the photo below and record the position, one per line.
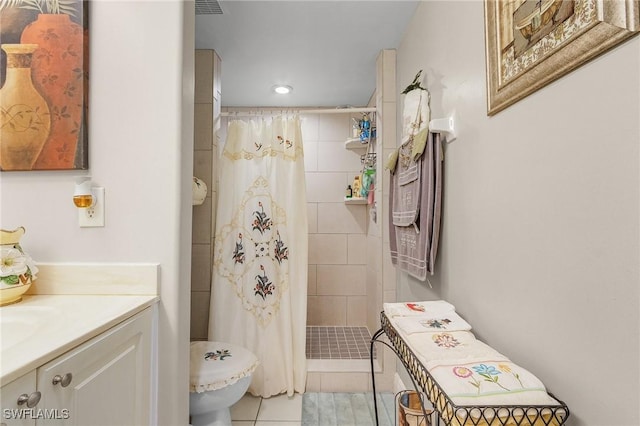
(415, 124)
(415, 204)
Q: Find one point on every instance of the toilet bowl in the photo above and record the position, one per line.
(220, 374)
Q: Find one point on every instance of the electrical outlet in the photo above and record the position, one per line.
(93, 216)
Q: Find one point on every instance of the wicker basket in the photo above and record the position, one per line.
(410, 410)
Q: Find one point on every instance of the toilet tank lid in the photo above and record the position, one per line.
(215, 365)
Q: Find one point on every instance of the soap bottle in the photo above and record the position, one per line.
(349, 192)
(357, 186)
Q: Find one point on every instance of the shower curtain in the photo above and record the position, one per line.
(259, 288)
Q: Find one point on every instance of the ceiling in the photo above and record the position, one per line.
(325, 50)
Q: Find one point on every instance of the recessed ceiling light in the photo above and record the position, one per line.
(282, 89)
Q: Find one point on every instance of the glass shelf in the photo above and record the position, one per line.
(354, 200)
(355, 144)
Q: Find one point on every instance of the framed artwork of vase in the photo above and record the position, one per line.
(530, 43)
(44, 82)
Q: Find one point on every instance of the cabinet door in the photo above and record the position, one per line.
(13, 413)
(105, 381)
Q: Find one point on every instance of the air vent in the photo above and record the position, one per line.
(208, 7)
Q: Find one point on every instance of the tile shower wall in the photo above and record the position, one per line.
(337, 291)
(207, 108)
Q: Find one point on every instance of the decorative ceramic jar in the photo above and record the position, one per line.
(17, 269)
(59, 74)
(25, 122)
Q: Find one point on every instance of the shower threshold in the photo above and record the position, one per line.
(342, 366)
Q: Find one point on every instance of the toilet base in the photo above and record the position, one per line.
(226, 381)
(221, 417)
(212, 408)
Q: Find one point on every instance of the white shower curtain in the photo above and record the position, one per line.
(259, 291)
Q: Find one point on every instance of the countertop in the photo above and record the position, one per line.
(42, 327)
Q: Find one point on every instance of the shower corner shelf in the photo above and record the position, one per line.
(355, 200)
(355, 144)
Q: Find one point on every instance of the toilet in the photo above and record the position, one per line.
(220, 374)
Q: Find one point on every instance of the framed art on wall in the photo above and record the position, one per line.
(44, 83)
(530, 43)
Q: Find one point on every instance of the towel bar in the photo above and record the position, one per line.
(446, 126)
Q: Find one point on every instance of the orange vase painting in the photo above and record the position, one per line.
(56, 71)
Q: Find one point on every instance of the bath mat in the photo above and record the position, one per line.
(346, 409)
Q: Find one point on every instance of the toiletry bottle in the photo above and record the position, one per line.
(349, 192)
(356, 186)
(355, 130)
(366, 125)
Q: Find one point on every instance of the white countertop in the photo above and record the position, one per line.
(42, 327)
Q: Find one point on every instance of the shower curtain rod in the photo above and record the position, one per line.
(295, 111)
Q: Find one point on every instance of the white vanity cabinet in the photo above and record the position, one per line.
(17, 396)
(104, 381)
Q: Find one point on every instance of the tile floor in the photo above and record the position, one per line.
(338, 342)
(323, 343)
(284, 411)
(275, 411)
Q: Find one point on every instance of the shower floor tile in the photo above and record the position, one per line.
(324, 342)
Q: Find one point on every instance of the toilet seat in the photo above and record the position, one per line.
(215, 365)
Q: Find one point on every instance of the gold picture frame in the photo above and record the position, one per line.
(530, 43)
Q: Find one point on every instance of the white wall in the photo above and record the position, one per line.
(540, 238)
(136, 142)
